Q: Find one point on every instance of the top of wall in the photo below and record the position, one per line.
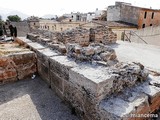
(129, 4)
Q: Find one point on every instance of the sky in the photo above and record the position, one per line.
(59, 7)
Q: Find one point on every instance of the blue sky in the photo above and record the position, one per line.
(41, 7)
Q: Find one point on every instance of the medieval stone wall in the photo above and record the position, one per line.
(95, 91)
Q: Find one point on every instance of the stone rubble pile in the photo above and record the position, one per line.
(59, 40)
(93, 52)
(127, 74)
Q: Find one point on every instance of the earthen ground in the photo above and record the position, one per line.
(31, 99)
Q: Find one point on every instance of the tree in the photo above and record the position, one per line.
(14, 18)
(1, 26)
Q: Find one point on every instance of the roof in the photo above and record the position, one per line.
(112, 24)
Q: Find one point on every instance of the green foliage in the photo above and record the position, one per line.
(14, 18)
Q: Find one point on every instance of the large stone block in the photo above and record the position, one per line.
(23, 58)
(23, 41)
(44, 55)
(94, 80)
(61, 66)
(43, 63)
(35, 46)
(57, 82)
(24, 63)
(43, 71)
(8, 75)
(17, 66)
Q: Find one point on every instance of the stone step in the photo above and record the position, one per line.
(136, 102)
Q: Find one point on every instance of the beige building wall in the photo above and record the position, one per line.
(120, 32)
(57, 26)
(34, 24)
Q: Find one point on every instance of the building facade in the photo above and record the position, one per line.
(33, 22)
(53, 25)
(142, 17)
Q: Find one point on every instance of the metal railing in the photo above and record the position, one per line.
(129, 35)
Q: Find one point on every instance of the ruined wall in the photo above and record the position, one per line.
(17, 66)
(91, 88)
(78, 35)
(103, 35)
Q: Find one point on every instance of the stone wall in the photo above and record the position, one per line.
(77, 35)
(57, 41)
(17, 66)
(103, 35)
(91, 89)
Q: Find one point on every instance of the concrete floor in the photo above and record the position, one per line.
(31, 100)
(148, 55)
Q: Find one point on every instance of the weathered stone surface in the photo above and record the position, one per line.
(77, 35)
(44, 54)
(43, 71)
(103, 35)
(93, 79)
(88, 51)
(57, 82)
(44, 41)
(61, 66)
(35, 46)
(62, 49)
(117, 108)
(43, 63)
(94, 52)
(17, 66)
(142, 99)
(32, 36)
(23, 41)
(25, 63)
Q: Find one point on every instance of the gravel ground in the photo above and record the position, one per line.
(32, 100)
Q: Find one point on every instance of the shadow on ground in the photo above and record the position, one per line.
(32, 99)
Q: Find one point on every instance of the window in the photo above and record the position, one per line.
(143, 26)
(150, 24)
(78, 17)
(34, 23)
(152, 15)
(145, 15)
